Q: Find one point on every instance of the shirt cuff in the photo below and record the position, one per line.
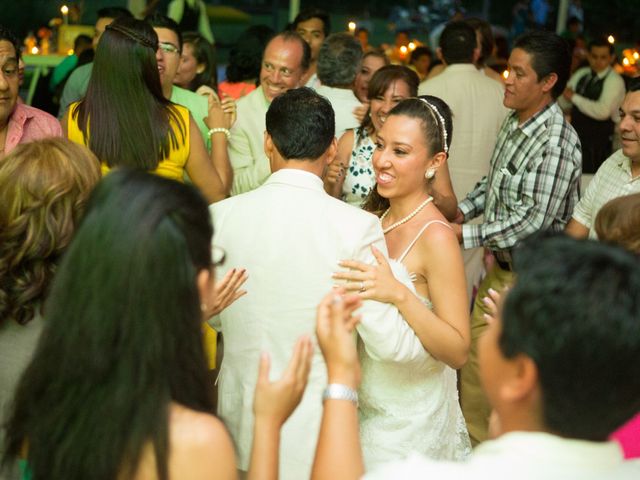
(466, 207)
(471, 236)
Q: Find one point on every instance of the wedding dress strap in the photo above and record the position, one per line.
(413, 242)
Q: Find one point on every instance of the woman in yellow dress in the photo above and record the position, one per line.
(126, 121)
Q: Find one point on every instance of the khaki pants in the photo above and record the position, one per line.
(475, 407)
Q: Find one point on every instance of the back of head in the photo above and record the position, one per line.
(419, 52)
(618, 222)
(130, 117)
(81, 43)
(313, 12)
(158, 20)
(123, 333)
(549, 54)
(385, 76)
(458, 42)
(205, 55)
(339, 60)
(44, 186)
(574, 311)
(301, 124)
(245, 57)
(487, 42)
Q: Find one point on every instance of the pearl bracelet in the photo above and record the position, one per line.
(226, 131)
(337, 391)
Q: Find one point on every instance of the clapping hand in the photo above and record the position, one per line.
(491, 301)
(276, 401)
(335, 323)
(227, 290)
(334, 173)
(375, 282)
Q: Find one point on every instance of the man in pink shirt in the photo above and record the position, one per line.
(19, 123)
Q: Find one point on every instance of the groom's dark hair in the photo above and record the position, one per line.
(301, 124)
(575, 311)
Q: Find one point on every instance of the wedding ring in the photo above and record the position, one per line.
(362, 287)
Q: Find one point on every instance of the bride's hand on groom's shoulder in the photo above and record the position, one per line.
(371, 282)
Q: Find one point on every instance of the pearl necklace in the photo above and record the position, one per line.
(405, 219)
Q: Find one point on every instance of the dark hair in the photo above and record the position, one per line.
(382, 80)
(131, 120)
(204, 54)
(420, 52)
(158, 20)
(44, 186)
(9, 36)
(573, 20)
(549, 54)
(301, 124)
(618, 222)
(633, 85)
(339, 60)
(457, 42)
(114, 12)
(245, 57)
(421, 108)
(487, 43)
(313, 12)
(123, 335)
(82, 41)
(602, 42)
(574, 311)
(291, 36)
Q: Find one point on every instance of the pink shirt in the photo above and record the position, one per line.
(27, 124)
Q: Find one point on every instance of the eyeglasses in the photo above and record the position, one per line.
(218, 255)
(168, 47)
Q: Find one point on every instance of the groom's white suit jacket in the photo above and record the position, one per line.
(289, 235)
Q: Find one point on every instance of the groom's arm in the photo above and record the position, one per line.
(385, 334)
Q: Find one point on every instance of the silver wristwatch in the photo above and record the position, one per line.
(337, 391)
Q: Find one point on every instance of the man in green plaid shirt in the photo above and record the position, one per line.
(533, 184)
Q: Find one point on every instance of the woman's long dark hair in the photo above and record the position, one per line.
(122, 337)
(432, 128)
(124, 116)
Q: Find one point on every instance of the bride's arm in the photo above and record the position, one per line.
(443, 332)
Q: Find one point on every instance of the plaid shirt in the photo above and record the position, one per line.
(533, 182)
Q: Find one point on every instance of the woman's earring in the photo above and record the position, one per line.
(203, 307)
(430, 173)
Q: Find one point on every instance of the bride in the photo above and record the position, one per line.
(407, 407)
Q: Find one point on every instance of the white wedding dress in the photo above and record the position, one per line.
(410, 406)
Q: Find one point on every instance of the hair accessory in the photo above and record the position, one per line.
(437, 116)
(136, 37)
(226, 131)
(405, 219)
(430, 173)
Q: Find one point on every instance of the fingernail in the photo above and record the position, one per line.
(486, 300)
(492, 291)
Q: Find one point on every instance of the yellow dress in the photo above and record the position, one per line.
(171, 167)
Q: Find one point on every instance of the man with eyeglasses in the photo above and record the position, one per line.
(285, 60)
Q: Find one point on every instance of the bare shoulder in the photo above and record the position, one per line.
(438, 242)
(200, 445)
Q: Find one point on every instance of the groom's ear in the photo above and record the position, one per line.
(268, 145)
(330, 153)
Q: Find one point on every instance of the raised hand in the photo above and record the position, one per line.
(227, 290)
(228, 105)
(275, 401)
(335, 323)
(375, 282)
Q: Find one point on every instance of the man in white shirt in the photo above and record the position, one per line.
(290, 234)
(478, 113)
(285, 60)
(593, 95)
(619, 175)
(338, 62)
(558, 364)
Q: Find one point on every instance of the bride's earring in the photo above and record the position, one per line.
(430, 173)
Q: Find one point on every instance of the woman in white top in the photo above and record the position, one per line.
(414, 407)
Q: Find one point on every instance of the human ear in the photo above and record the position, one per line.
(522, 381)
(439, 55)
(204, 283)
(438, 160)
(200, 68)
(548, 82)
(330, 154)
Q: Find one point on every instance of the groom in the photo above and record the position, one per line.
(289, 235)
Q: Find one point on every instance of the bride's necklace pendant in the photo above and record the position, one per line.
(405, 219)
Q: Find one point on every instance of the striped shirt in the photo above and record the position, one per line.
(613, 179)
(533, 182)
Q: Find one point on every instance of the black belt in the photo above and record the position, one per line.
(503, 264)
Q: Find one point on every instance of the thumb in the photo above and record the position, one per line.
(265, 366)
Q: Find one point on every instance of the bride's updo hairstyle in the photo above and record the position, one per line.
(437, 127)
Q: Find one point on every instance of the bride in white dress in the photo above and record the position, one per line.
(413, 406)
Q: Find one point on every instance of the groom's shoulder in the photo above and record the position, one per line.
(351, 214)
